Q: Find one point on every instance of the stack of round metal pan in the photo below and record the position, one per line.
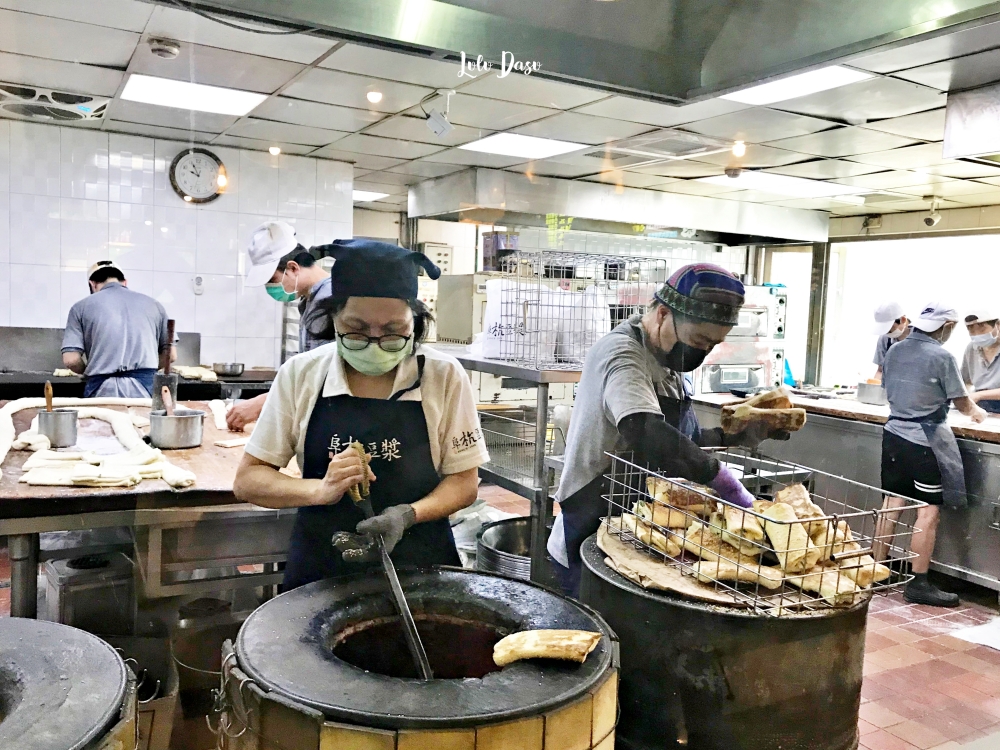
(504, 547)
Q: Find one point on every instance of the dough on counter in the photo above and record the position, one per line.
(204, 374)
(796, 551)
(63, 372)
(570, 645)
(218, 408)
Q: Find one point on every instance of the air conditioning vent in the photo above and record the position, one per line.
(660, 146)
(46, 105)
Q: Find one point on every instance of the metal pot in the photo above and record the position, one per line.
(230, 369)
(505, 547)
(872, 393)
(59, 426)
(183, 430)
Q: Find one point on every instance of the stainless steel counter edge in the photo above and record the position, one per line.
(479, 363)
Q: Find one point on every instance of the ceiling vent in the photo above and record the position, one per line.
(47, 105)
(659, 146)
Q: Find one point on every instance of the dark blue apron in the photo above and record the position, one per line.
(394, 432)
(582, 511)
(944, 446)
(144, 376)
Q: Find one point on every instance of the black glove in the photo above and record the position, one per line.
(755, 434)
(392, 523)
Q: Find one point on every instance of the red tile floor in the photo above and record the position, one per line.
(923, 689)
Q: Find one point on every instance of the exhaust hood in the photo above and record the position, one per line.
(496, 197)
(971, 127)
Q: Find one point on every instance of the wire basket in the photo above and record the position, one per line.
(510, 440)
(812, 541)
(555, 305)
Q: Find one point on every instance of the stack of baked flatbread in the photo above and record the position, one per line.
(773, 408)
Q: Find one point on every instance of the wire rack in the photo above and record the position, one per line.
(555, 305)
(812, 541)
(510, 440)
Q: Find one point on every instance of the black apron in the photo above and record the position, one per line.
(394, 432)
(944, 445)
(582, 511)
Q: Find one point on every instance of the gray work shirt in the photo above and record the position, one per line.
(620, 377)
(118, 329)
(920, 376)
(884, 342)
(310, 321)
(983, 375)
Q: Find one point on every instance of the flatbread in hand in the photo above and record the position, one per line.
(570, 645)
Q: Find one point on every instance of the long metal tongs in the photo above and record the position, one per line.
(413, 641)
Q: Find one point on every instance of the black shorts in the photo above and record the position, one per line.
(910, 470)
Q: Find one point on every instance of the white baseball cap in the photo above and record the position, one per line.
(981, 315)
(885, 315)
(270, 242)
(933, 315)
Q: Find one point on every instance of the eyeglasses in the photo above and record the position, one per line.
(392, 342)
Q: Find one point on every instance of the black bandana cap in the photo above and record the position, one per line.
(369, 268)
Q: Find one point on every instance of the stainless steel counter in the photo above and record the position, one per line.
(968, 542)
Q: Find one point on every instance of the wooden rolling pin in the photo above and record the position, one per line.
(48, 395)
(168, 402)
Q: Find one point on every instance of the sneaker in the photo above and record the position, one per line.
(929, 594)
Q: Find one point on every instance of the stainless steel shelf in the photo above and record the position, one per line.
(479, 363)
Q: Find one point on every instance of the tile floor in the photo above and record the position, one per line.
(923, 689)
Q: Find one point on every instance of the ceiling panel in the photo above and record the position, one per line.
(315, 114)
(681, 168)
(825, 169)
(654, 113)
(390, 178)
(690, 187)
(158, 131)
(523, 89)
(755, 157)
(943, 47)
(269, 130)
(751, 196)
(960, 73)
(963, 170)
(758, 125)
(349, 90)
(492, 114)
(128, 15)
(891, 180)
(60, 75)
(873, 99)
(991, 198)
(577, 128)
(183, 26)
(425, 169)
(391, 147)
(923, 155)
(548, 168)
(925, 126)
(361, 161)
(58, 39)
(258, 145)
(368, 183)
(949, 189)
(812, 204)
(150, 114)
(989, 180)
(217, 67)
(914, 205)
(846, 141)
(631, 179)
(394, 66)
(415, 129)
(473, 159)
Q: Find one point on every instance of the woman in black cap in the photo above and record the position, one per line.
(411, 407)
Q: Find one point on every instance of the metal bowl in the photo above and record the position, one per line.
(505, 547)
(232, 369)
(872, 393)
(182, 430)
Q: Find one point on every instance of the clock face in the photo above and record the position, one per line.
(194, 175)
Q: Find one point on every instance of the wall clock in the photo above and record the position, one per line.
(198, 176)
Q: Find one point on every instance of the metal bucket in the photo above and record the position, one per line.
(59, 426)
(183, 430)
(872, 393)
(505, 547)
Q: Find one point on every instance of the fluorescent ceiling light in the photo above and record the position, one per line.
(523, 146)
(783, 185)
(800, 85)
(167, 92)
(364, 196)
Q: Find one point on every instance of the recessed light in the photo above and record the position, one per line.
(739, 148)
(374, 96)
(198, 97)
(523, 146)
(274, 150)
(783, 185)
(794, 86)
(364, 196)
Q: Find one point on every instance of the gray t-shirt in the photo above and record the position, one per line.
(310, 322)
(118, 329)
(620, 377)
(884, 342)
(920, 376)
(975, 370)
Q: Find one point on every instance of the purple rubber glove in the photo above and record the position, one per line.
(730, 489)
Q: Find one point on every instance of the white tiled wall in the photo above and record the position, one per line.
(70, 197)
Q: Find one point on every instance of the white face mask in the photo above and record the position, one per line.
(897, 333)
(984, 340)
